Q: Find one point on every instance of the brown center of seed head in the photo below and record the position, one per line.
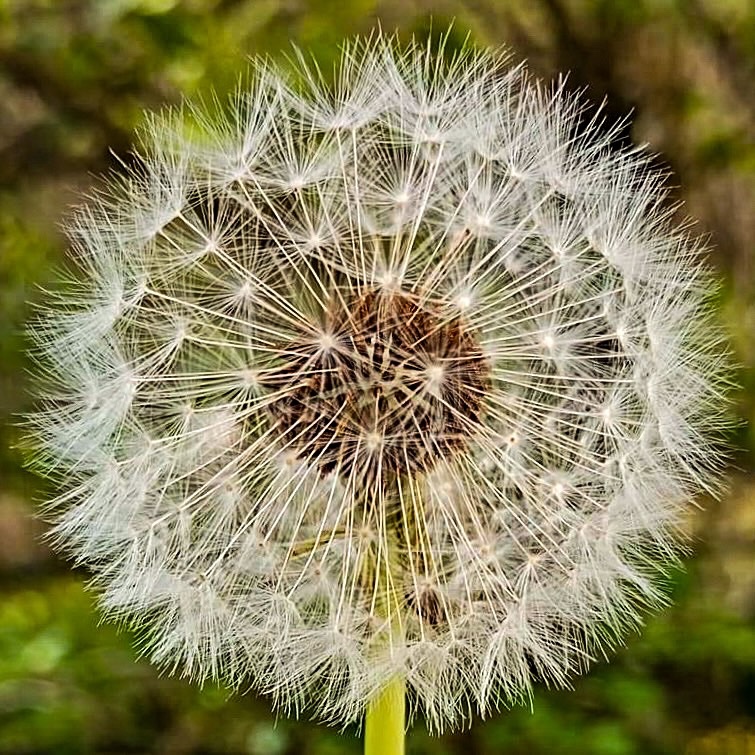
(393, 385)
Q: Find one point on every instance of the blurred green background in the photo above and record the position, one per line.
(75, 77)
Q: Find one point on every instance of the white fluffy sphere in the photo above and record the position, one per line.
(409, 375)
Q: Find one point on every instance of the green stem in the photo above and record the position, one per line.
(385, 722)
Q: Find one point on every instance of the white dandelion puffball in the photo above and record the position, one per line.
(405, 376)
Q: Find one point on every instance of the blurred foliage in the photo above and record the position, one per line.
(75, 77)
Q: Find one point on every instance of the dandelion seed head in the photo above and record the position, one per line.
(409, 374)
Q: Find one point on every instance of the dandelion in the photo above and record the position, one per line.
(395, 387)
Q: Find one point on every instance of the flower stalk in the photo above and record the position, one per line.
(385, 720)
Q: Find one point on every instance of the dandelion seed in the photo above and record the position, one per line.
(402, 383)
